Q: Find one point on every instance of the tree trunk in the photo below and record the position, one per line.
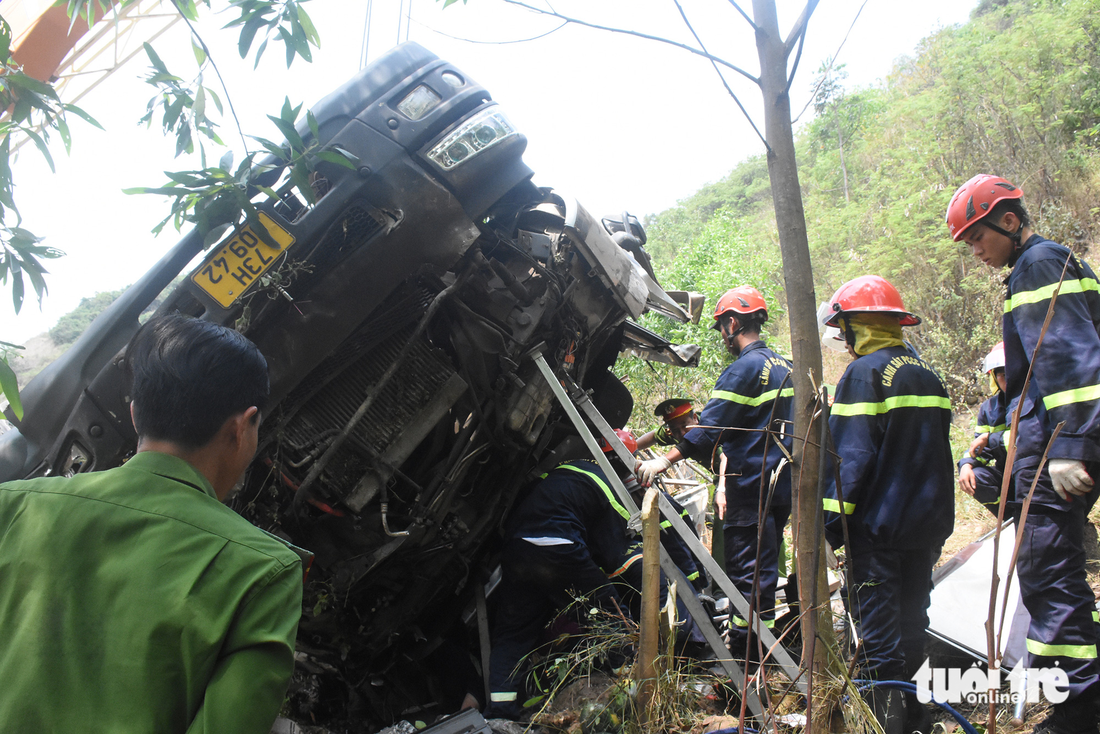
(805, 343)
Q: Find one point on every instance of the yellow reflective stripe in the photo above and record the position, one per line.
(502, 696)
(602, 485)
(666, 525)
(787, 392)
(1077, 395)
(992, 429)
(1079, 652)
(1024, 298)
(897, 401)
(834, 506)
(1095, 616)
(693, 576)
(738, 622)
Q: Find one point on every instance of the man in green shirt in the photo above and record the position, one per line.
(133, 600)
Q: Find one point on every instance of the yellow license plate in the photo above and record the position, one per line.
(240, 261)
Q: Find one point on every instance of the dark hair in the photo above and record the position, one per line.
(1016, 206)
(752, 322)
(189, 376)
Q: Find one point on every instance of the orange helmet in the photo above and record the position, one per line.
(744, 299)
(625, 436)
(869, 294)
(975, 199)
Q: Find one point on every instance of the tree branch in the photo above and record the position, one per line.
(755, 28)
(637, 34)
(799, 29)
(832, 61)
(210, 57)
(719, 73)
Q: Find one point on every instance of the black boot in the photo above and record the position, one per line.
(918, 719)
(1072, 717)
(888, 708)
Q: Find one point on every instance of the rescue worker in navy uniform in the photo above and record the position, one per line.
(561, 541)
(987, 212)
(982, 467)
(890, 425)
(755, 394)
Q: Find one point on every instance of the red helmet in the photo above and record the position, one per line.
(975, 199)
(744, 299)
(625, 436)
(869, 294)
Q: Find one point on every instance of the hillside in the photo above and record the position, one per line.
(1015, 91)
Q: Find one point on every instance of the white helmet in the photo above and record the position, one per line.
(995, 359)
(830, 335)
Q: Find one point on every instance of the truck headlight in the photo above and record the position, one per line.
(481, 132)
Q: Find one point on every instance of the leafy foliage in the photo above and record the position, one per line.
(214, 197)
(70, 326)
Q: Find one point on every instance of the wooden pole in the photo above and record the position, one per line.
(648, 647)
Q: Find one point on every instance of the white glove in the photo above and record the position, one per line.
(1069, 477)
(646, 471)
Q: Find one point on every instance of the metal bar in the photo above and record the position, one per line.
(699, 550)
(695, 608)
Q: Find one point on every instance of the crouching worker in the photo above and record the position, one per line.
(889, 424)
(132, 599)
(982, 468)
(561, 541)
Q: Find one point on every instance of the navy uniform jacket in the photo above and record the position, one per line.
(989, 465)
(890, 424)
(574, 502)
(1065, 380)
(743, 398)
(677, 549)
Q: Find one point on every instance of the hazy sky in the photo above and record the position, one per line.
(617, 122)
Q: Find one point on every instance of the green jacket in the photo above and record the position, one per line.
(132, 600)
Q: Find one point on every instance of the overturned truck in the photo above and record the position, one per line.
(400, 315)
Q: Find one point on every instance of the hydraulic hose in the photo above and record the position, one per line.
(901, 685)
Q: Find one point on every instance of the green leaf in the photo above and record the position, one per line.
(288, 131)
(299, 174)
(200, 54)
(9, 386)
(248, 33)
(259, 54)
(333, 157)
(226, 162)
(312, 122)
(41, 145)
(5, 40)
(344, 152)
(63, 131)
(81, 114)
(217, 100)
(198, 107)
(308, 27)
(31, 84)
(154, 59)
(288, 113)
